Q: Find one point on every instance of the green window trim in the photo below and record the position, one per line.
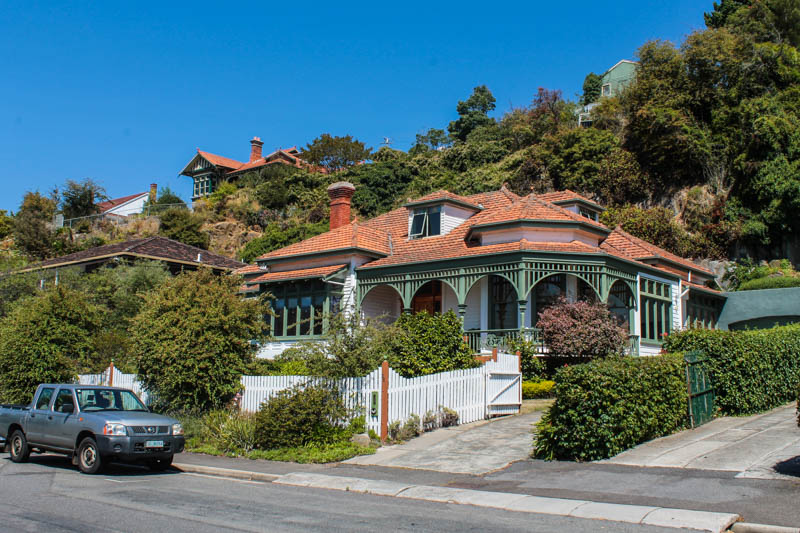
(301, 309)
(702, 312)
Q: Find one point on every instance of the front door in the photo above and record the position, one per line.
(428, 298)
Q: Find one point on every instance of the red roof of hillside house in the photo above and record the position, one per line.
(231, 167)
(386, 236)
(154, 248)
(566, 196)
(111, 204)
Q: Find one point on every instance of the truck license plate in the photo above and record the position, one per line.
(154, 444)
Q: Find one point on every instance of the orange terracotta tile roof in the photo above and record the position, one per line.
(701, 287)
(249, 269)
(443, 196)
(532, 207)
(220, 161)
(640, 249)
(111, 204)
(564, 196)
(270, 159)
(347, 237)
(304, 273)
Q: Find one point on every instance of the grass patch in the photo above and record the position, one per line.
(326, 453)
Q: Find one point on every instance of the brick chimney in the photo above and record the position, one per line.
(153, 193)
(340, 194)
(255, 148)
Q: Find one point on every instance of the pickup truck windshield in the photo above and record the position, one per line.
(108, 400)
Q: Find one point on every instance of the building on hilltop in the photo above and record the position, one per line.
(496, 259)
(208, 170)
(614, 80)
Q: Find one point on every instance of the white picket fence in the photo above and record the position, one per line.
(494, 388)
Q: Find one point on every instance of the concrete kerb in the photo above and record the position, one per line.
(744, 527)
(635, 514)
(225, 472)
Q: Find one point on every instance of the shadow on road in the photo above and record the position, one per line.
(789, 467)
(62, 462)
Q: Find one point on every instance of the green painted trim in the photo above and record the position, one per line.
(326, 253)
(586, 203)
(439, 201)
(540, 223)
(679, 265)
(318, 276)
(708, 292)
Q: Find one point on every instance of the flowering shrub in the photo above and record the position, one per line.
(581, 329)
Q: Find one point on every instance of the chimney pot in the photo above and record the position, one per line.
(153, 193)
(340, 194)
(255, 149)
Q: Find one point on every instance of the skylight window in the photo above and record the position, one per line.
(426, 222)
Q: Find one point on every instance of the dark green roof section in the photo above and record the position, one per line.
(761, 308)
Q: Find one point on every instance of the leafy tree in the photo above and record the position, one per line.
(592, 84)
(32, 232)
(166, 199)
(549, 112)
(431, 139)
(430, 344)
(277, 235)
(184, 226)
(722, 12)
(379, 185)
(80, 199)
(6, 224)
(192, 339)
(335, 153)
(472, 113)
(47, 339)
(656, 225)
(581, 329)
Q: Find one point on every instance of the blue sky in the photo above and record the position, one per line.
(124, 92)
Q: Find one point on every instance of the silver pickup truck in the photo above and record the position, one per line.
(93, 425)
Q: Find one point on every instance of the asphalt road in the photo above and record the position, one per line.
(48, 494)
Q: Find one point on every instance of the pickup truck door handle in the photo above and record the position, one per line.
(49, 417)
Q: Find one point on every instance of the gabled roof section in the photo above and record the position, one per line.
(568, 197)
(219, 161)
(639, 249)
(156, 248)
(531, 208)
(304, 273)
(442, 196)
(289, 156)
(116, 202)
(348, 238)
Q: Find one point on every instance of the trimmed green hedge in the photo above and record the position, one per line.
(532, 390)
(752, 370)
(798, 404)
(605, 407)
(778, 282)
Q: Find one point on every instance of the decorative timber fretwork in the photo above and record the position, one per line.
(523, 276)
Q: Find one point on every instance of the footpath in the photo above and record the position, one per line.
(488, 464)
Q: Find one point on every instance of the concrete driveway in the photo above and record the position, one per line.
(475, 448)
(765, 446)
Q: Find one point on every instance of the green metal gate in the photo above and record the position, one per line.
(701, 392)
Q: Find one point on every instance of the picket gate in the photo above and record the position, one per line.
(492, 389)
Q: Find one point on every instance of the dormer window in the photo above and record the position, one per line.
(426, 222)
(592, 215)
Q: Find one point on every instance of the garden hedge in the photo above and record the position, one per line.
(607, 406)
(751, 370)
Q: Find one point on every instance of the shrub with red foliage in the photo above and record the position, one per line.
(581, 329)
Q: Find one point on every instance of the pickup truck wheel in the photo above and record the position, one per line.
(159, 465)
(20, 451)
(89, 459)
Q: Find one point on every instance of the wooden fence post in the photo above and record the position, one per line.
(111, 374)
(384, 401)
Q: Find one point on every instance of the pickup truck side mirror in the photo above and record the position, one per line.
(68, 408)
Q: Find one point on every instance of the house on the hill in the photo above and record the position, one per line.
(496, 259)
(133, 204)
(208, 170)
(613, 81)
(176, 255)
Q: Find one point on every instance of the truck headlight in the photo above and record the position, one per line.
(177, 429)
(114, 429)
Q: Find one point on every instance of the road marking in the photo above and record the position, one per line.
(125, 480)
(224, 478)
